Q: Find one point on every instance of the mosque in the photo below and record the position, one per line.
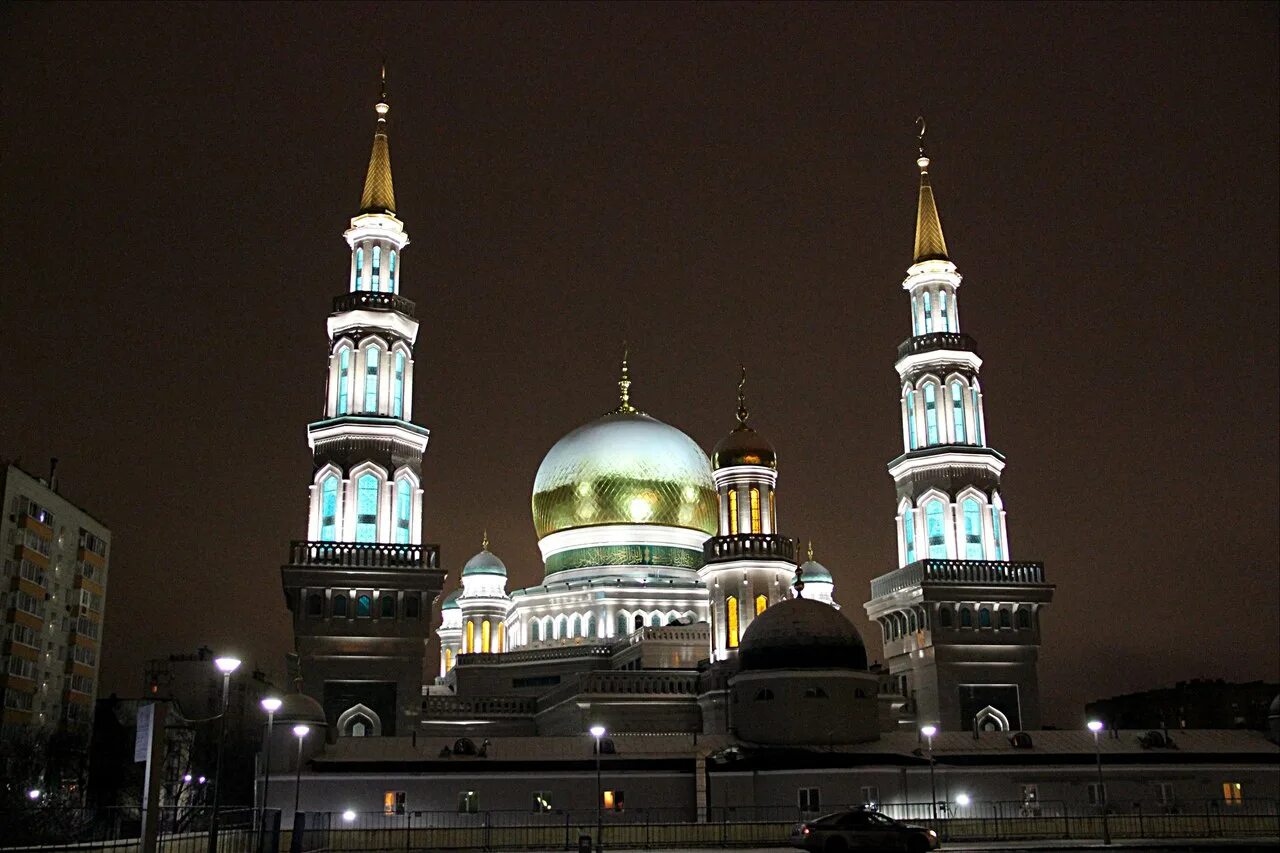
(673, 611)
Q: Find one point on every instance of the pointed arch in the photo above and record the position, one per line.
(935, 527)
(991, 719)
(622, 624)
(359, 714)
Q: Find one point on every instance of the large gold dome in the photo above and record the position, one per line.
(625, 468)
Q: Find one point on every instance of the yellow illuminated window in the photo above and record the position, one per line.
(731, 620)
(471, 637)
(393, 802)
(761, 604)
(502, 637)
(612, 800)
(448, 659)
(755, 510)
(1232, 793)
(484, 636)
(733, 512)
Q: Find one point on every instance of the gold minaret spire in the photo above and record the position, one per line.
(930, 246)
(624, 387)
(379, 195)
(484, 543)
(743, 414)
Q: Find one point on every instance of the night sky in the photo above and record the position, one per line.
(715, 184)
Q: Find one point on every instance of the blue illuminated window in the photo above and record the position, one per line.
(404, 510)
(329, 509)
(957, 411)
(374, 278)
(364, 606)
(930, 413)
(909, 535)
(966, 617)
(535, 631)
(978, 438)
(984, 617)
(359, 268)
(915, 317)
(344, 380)
(367, 508)
(997, 536)
(372, 355)
(392, 285)
(934, 528)
(912, 441)
(942, 305)
(928, 313)
(397, 387)
(589, 626)
(973, 530)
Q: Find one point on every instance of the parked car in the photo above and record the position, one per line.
(862, 829)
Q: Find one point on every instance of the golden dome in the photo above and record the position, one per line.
(625, 468)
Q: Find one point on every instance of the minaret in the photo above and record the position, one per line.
(361, 584)
(748, 566)
(960, 621)
(484, 602)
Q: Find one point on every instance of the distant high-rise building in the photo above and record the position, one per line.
(52, 595)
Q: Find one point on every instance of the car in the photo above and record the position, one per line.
(862, 829)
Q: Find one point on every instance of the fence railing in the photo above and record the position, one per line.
(119, 830)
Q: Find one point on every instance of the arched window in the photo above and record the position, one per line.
(915, 316)
(928, 313)
(973, 530)
(997, 535)
(397, 387)
(639, 621)
(392, 284)
(364, 606)
(339, 605)
(573, 625)
(448, 659)
(755, 509)
(761, 603)
(957, 411)
(944, 616)
(411, 605)
(502, 637)
(930, 414)
(315, 604)
(372, 356)
(486, 631)
(535, 631)
(588, 626)
(622, 625)
(731, 620)
(404, 509)
(359, 269)
(344, 380)
(733, 511)
(655, 620)
(764, 695)
(911, 622)
(1024, 619)
(329, 509)
(909, 535)
(912, 440)
(471, 637)
(1006, 621)
(935, 530)
(942, 306)
(358, 728)
(815, 693)
(375, 280)
(966, 617)
(984, 617)
(955, 314)
(367, 508)
(978, 437)
(773, 511)
(387, 605)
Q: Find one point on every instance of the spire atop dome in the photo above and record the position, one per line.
(379, 195)
(930, 245)
(484, 542)
(810, 550)
(743, 414)
(624, 388)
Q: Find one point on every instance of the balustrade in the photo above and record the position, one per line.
(364, 555)
(957, 571)
(936, 341)
(745, 546)
(368, 299)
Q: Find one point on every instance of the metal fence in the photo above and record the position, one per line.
(181, 830)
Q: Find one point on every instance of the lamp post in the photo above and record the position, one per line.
(271, 704)
(597, 732)
(226, 666)
(299, 732)
(929, 732)
(1095, 726)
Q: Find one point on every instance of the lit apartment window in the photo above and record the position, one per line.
(1232, 793)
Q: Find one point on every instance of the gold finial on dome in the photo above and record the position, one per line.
(810, 550)
(624, 387)
(799, 582)
(743, 414)
(930, 245)
(484, 543)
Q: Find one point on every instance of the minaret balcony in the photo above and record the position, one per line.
(968, 572)
(363, 555)
(954, 341)
(749, 546)
(372, 300)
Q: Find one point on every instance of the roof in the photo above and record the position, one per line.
(379, 195)
(802, 633)
(930, 245)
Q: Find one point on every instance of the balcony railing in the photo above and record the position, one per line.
(746, 546)
(364, 555)
(501, 706)
(985, 572)
(372, 300)
(935, 341)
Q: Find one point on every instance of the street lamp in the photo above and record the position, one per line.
(33, 794)
(597, 732)
(929, 732)
(271, 704)
(1095, 726)
(226, 666)
(299, 732)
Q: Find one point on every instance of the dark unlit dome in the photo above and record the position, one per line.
(802, 633)
(300, 708)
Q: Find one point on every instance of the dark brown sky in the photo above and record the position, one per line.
(714, 183)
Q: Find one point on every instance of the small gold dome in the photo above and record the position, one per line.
(744, 446)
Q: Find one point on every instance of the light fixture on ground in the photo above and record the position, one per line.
(226, 665)
(270, 704)
(929, 732)
(1095, 726)
(597, 732)
(300, 732)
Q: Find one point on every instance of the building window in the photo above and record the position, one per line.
(1006, 621)
(773, 511)
(315, 605)
(871, 795)
(468, 802)
(542, 801)
(1024, 619)
(393, 802)
(957, 412)
(761, 603)
(765, 695)
(535, 631)
(955, 314)
(485, 631)
(344, 379)
(404, 510)
(1232, 793)
(966, 617)
(731, 620)
(754, 493)
(1164, 793)
(339, 605)
(928, 313)
(815, 693)
(448, 659)
(733, 511)
(809, 800)
(374, 283)
(915, 316)
(392, 284)
(984, 617)
(411, 605)
(501, 641)
(1097, 793)
(471, 637)
(367, 508)
(588, 626)
(997, 535)
(942, 306)
(613, 800)
(397, 387)
(359, 268)
(329, 509)
(1031, 798)
(909, 534)
(944, 616)
(364, 606)
(930, 413)
(977, 417)
(372, 355)
(973, 530)
(935, 529)
(655, 620)
(387, 605)
(912, 441)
